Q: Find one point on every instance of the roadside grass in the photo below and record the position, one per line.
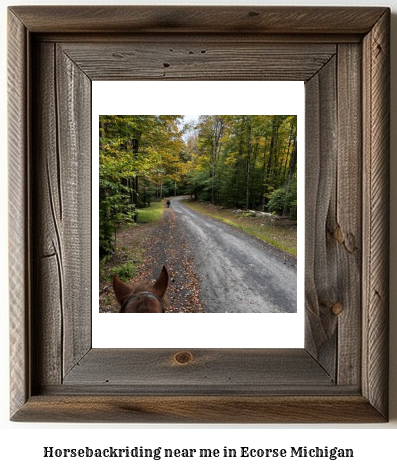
(279, 233)
(128, 255)
(151, 214)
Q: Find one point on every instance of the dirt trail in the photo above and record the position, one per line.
(231, 270)
(238, 272)
(166, 244)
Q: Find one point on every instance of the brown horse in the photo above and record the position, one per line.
(144, 297)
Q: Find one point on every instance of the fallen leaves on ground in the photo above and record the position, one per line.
(164, 243)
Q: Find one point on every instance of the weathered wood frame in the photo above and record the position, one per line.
(343, 56)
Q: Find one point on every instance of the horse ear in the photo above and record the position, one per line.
(121, 290)
(161, 284)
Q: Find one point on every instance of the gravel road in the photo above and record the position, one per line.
(237, 272)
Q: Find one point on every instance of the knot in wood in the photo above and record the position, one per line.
(183, 358)
(338, 235)
(337, 308)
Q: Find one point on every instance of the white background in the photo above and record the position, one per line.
(22, 443)
(221, 330)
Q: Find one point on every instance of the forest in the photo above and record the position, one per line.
(246, 162)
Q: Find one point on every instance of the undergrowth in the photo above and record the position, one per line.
(126, 259)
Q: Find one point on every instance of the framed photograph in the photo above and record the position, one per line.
(341, 57)
(217, 272)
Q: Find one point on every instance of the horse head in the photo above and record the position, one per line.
(144, 297)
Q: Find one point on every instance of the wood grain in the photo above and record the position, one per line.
(62, 225)
(341, 376)
(196, 19)
(151, 370)
(199, 409)
(18, 141)
(206, 60)
(73, 90)
(375, 325)
(155, 39)
(48, 280)
(321, 278)
(347, 225)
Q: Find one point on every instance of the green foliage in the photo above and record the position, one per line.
(114, 209)
(283, 201)
(125, 272)
(242, 161)
(136, 154)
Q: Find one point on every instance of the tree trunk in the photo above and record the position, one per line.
(272, 156)
(291, 172)
(247, 192)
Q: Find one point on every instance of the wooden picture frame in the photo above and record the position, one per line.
(342, 54)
